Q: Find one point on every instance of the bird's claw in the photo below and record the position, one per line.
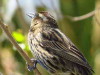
(30, 68)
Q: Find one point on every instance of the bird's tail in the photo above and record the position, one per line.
(82, 71)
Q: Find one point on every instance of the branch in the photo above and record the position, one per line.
(81, 17)
(19, 49)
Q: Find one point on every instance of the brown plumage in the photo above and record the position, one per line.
(53, 50)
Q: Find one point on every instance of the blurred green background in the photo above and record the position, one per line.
(85, 33)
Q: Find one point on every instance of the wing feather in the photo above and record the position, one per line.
(58, 44)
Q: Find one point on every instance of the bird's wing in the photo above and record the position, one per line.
(56, 43)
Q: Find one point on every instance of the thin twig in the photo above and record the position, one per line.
(19, 49)
(81, 17)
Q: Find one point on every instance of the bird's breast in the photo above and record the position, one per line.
(34, 43)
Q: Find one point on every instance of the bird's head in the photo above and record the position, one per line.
(42, 19)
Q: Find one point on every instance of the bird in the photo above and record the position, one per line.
(52, 49)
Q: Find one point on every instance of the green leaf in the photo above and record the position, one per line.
(18, 36)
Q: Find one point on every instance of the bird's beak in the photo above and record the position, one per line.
(31, 15)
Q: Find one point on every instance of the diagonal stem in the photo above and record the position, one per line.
(19, 49)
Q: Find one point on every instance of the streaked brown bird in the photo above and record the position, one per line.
(52, 49)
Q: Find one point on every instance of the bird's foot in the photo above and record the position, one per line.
(30, 68)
